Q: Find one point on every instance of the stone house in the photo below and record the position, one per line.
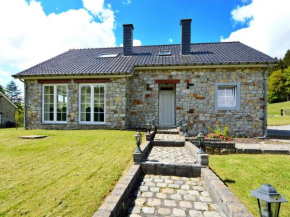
(202, 84)
(7, 110)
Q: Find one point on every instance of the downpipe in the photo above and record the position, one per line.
(265, 104)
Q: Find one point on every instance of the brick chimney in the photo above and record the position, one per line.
(185, 36)
(128, 39)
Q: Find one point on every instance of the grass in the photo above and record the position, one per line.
(243, 173)
(275, 108)
(69, 173)
(278, 120)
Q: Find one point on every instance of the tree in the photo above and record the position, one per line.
(13, 92)
(287, 82)
(2, 89)
(286, 59)
(276, 87)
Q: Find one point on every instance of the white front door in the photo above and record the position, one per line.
(166, 108)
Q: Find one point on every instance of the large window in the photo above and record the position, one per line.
(92, 104)
(54, 103)
(227, 96)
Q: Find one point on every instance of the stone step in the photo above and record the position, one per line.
(168, 143)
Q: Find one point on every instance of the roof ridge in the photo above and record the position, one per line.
(156, 45)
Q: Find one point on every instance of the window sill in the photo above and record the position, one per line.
(57, 123)
(91, 123)
(227, 108)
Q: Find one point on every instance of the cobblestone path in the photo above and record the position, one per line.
(172, 196)
(170, 155)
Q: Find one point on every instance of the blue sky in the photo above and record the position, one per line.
(33, 31)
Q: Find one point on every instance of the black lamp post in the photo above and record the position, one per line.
(200, 138)
(153, 122)
(180, 122)
(138, 138)
(185, 130)
(148, 126)
(269, 200)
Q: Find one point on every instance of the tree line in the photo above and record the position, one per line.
(279, 80)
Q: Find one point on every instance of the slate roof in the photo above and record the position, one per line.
(86, 61)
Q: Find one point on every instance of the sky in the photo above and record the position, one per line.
(32, 31)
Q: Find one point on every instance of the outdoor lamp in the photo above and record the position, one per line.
(185, 130)
(138, 138)
(148, 126)
(269, 200)
(153, 122)
(200, 138)
(180, 122)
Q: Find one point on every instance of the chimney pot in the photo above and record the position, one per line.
(128, 39)
(185, 36)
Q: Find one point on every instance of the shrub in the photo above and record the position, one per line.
(9, 124)
(219, 134)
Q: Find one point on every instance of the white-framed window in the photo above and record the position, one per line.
(92, 104)
(227, 96)
(54, 103)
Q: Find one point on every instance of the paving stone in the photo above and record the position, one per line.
(185, 204)
(144, 188)
(175, 177)
(154, 202)
(205, 193)
(170, 203)
(134, 215)
(185, 187)
(134, 209)
(178, 182)
(168, 191)
(148, 210)
(154, 189)
(164, 211)
(178, 212)
(211, 214)
(158, 180)
(194, 179)
(190, 183)
(147, 180)
(193, 192)
(169, 181)
(162, 185)
(147, 194)
(174, 186)
(194, 213)
(214, 207)
(176, 197)
(161, 195)
(185, 178)
(150, 184)
(181, 192)
(140, 201)
(200, 206)
(205, 199)
(198, 188)
(189, 197)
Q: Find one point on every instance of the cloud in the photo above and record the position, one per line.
(4, 76)
(170, 40)
(127, 2)
(136, 42)
(267, 28)
(29, 36)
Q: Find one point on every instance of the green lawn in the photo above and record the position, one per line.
(278, 120)
(243, 173)
(67, 174)
(275, 108)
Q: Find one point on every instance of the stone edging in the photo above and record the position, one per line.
(222, 195)
(113, 204)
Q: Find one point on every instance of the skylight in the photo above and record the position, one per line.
(165, 53)
(108, 55)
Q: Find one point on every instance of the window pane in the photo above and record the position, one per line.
(230, 101)
(221, 92)
(221, 101)
(230, 91)
(61, 103)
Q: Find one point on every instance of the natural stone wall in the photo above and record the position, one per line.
(196, 105)
(7, 110)
(116, 106)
